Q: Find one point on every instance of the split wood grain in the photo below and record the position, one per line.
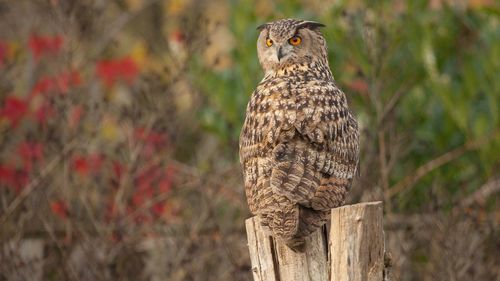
(353, 250)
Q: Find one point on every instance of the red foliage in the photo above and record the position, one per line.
(7, 176)
(12, 178)
(152, 182)
(165, 184)
(144, 183)
(81, 165)
(60, 83)
(66, 80)
(30, 152)
(177, 36)
(41, 45)
(359, 85)
(14, 110)
(21, 180)
(143, 219)
(110, 71)
(42, 86)
(43, 113)
(158, 209)
(150, 136)
(75, 115)
(86, 165)
(59, 208)
(118, 170)
(151, 140)
(96, 160)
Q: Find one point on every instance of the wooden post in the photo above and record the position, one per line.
(357, 242)
(355, 250)
(272, 260)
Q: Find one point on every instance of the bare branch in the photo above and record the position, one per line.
(480, 195)
(35, 182)
(409, 181)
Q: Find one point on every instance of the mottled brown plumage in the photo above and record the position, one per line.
(299, 143)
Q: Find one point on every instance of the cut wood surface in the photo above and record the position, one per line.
(354, 250)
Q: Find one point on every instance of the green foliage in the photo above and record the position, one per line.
(443, 62)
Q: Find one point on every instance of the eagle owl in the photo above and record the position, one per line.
(299, 143)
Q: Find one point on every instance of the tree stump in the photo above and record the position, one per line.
(353, 249)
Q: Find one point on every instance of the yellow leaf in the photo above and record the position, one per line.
(481, 3)
(139, 53)
(175, 7)
(110, 131)
(12, 49)
(134, 5)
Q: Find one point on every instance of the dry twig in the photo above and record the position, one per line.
(410, 180)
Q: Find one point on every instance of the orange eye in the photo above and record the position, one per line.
(295, 40)
(269, 42)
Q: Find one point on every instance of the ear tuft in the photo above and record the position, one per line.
(262, 26)
(310, 25)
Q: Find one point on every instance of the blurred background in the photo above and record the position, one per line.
(119, 126)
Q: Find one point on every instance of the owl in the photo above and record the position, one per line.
(299, 145)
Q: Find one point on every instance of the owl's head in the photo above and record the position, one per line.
(287, 42)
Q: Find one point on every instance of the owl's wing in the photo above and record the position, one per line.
(270, 117)
(345, 160)
(316, 165)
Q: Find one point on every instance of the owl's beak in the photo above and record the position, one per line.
(281, 54)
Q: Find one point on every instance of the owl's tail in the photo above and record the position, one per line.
(310, 220)
(292, 224)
